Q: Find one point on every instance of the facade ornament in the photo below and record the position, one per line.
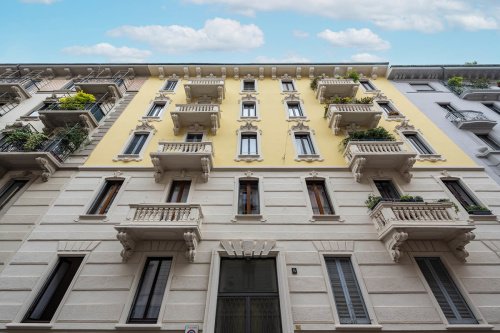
(311, 73)
(117, 174)
(158, 171)
(358, 168)
(205, 167)
(47, 168)
(445, 173)
(248, 174)
(261, 73)
(292, 97)
(248, 127)
(161, 73)
(273, 73)
(198, 72)
(50, 73)
(300, 126)
(145, 126)
(405, 126)
(186, 73)
(394, 243)
(248, 248)
(457, 245)
(313, 174)
(223, 72)
(128, 244)
(298, 73)
(162, 96)
(131, 73)
(192, 243)
(236, 71)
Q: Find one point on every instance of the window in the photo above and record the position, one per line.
(194, 137)
(447, 107)
(304, 144)
(103, 202)
(35, 113)
(489, 141)
(418, 143)
(294, 109)
(155, 110)
(287, 85)
(248, 197)
(46, 303)
(147, 301)
(249, 85)
(248, 144)
(387, 189)
(367, 85)
(135, 146)
(179, 191)
(493, 107)
(460, 193)
(388, 109)
(346, 292)
(248, 109)
(319, 197)
(170, 85)
(10, 190)
(248, 298)
(449, 298)
(421, 87)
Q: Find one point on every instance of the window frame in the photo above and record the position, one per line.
(247, 130)
(248, 202)
(414, 84)
(464, 187)
(242, 86)
(135, 157)
(304, 130)
(165, 104)
(236, 196)
(419, 137)
(290, 80)
(300, 147)
(131, 140)
(96, 193)
(327, 193)
(394, 184)
(392, 107)
(164, 85)
(170, 188)
(486, 144)
(243, 102)
(11, 178)
(368, 82)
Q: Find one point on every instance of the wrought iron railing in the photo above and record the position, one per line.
(461, 116)
(98, 109)
(30, 82)
(120, 79)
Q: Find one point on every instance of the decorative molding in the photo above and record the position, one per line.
(192, 243)
(236, 71)
(77, 246)
(261, 73)
(394, 243)
(334, 246)
(145, 126)
(300, 126)
(405, 126)
(292, 97)
(249, 127)
(46, 166)
(457, 245)
(128, 245)
(248, 248)
(162, 96)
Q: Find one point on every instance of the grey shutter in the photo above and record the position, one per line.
(346, 293)
(446, 292)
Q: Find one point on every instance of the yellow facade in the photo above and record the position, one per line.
(277, 146)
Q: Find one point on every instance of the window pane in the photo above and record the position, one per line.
(248, 197)
(421, 87)
(367, 85)
(304, 144)
(319, 198)
(419, 145)
(249, 85)
(179, 191)
(346, 293)
(194, 137)
(287, 85)
(105, 198)
(136, 144)
(489, 141)
(387, 189)
(248, 109)
(248, 144)
(170, 85)
(460, 193)
(55, 288)
(155, 110)
(147, 303)
(294, 110)
(10, 190)
(446, 292)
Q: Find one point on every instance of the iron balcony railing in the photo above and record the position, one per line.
(98, 109)
(120, 79)
(30, 82)
(7, 102)
(466, 115)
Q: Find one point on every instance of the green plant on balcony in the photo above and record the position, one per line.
(410, 198)
(314, 83)
(373, 134)
(477, 210)
(455, 81)
(76, 102)
(372, 201)
(481, 83)
(353, 75)
(364, 100)
(72, 137)
(25, 139)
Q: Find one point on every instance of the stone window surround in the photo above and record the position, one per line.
(165, 102)
(249, 98)
(143, 128)
(248, 78)
(236, 191)
(294, 98)
(249, 128)
(300, 128)
(370, 82)
(314, 176)
(182, 176)
(288, 78)
(15, 175)
(387, 117)
(405, 128)
(164, 84)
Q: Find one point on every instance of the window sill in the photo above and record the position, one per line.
(482, 218)
(248, 217)
(138, 326)
(356, 327)
(325, 217)
(309, 158)
(23, 326)
(249, 119)
(471, 327)
(430, 157)
(92, 217)
(249, 158)
(301, 118)
(152, 118)
(128, 158)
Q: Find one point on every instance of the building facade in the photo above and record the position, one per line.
(240, 198)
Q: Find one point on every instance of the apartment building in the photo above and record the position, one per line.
(244, 198)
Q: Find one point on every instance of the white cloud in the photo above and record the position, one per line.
(216, 35)
(473, 22)
(110, 52)
(359, 38)
(421, 15)
(291, 58)
(43, 2)
(300, 34)
(366, 57)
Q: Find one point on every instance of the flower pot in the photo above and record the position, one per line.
(479, 212)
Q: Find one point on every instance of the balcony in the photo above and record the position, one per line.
(47, 158)
(397, 222)
(362, 115)
(205, 89)
(329, 88)
(8, 101)
(205, 115)
(21, 86)
(369, 155)
(190, 156)
(162, 221)
(102, 83)
(473, 121)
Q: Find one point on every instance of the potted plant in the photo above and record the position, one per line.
(353, 75)
(72, 137)
(455, 81)
(373, 134)
(26, 140)
(410, 198)
(477, 210)
(452, 203)
(76, 102)
(372, 201)
(314, 83)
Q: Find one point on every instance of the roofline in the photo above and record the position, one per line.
(446, 66)
(200, 64)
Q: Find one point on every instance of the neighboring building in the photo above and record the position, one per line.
(221, 198)
(467, 113)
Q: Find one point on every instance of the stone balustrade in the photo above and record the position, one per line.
(196, 108)
(166, 212)
(335, 81)
(185, 147)
(374, 147)
(205, 81)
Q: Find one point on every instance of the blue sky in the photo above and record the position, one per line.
(399, 31)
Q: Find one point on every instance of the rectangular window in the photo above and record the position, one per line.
(489, 141)
(248, 197)
(349, 301)
(42, 107)
(248, 109)
(249, 144)
(147, 302)
(493, 107)
(287, 85)
(387, 190)
(155, 110)
(249, 85)
(179, 191)
(105, 198)
(135, 146)
(294, 109)
(319, 197)
(449, 298)
(421, 87)
(447, 107)
(194, 137)
(367, 85)
(10, 190)
(418, 143)
(170, 85)
(46, 303)
(460, 193)
(248, 298)
(388, 109)
(304, 144)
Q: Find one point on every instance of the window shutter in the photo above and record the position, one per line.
(446, 292)
(347, 295)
